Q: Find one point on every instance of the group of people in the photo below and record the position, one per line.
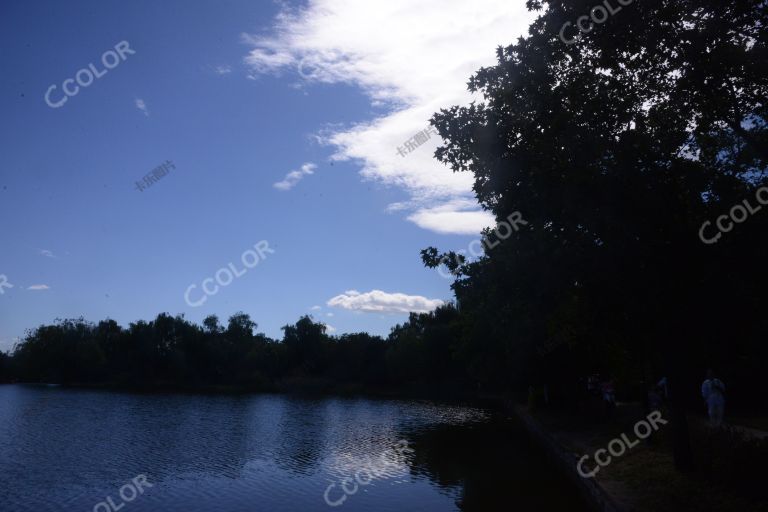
(712, 391)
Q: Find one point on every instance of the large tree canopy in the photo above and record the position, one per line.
(616, 144)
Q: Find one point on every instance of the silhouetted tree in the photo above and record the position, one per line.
(615, 149)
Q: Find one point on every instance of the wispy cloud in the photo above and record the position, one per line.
(294, 177)
(455, 216)
(37, 287)
(47, 253)
(315, 308)
(377, 301)
(414, 59)
(224, 69)
(142, 106)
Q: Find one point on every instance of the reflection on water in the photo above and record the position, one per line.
(63, 449)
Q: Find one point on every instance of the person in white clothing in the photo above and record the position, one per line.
(713, 391)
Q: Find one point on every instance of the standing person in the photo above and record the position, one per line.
(663, 387)
(609, 396)
(713, 391)
(655, 400)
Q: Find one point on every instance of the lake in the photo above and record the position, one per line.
(85, 450)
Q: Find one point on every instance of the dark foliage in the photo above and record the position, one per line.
(616, 149)
(169, 351)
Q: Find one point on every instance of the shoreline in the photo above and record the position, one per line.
(726, 478)
(594, 494)
(495, 402)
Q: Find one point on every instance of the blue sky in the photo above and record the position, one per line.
(237, 94)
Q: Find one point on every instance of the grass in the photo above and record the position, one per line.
(755, 422)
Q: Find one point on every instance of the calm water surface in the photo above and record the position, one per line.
(64, 449)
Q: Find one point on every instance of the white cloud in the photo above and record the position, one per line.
(454, 216)
(39, 287)
(413, 58)
(47, 253)
(377, 301)
(329, 328)
(294, 177)
(315, 308)
(142, 106)
(224, 69)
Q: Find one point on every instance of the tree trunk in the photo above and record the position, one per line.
(678, 420)
(681, 440)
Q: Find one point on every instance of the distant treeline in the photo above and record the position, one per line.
(173, 352)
